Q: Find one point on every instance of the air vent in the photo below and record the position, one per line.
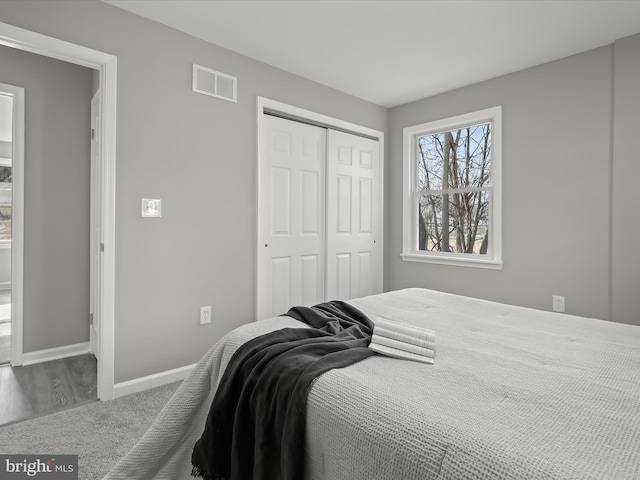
(214, 83)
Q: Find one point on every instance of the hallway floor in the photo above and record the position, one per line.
(47, 387)
(42, 388)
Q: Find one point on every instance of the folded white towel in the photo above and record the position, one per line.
(404, 346)
(393, 352)
(400, 337)
(406, 329)
(401, 340)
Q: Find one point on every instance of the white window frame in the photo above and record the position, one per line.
(410, 252)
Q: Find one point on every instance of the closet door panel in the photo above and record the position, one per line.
(353, 183)
(292, 205)
(281, 283)
(280, 223)
(342, 277)
(310, 273)
(344, 205)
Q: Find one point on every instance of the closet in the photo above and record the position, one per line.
(319, 215)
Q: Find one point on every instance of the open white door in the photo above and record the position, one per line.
(95, 249)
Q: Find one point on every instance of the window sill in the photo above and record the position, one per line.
(455, 261)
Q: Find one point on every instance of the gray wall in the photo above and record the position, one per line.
(198, 155)
(57, 175)
(558, 129)
(626, 172)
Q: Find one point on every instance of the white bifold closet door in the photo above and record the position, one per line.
(353, 186)
(318, 216)
(292, 209)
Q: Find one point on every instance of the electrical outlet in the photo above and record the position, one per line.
(558, 303)
(205, 315)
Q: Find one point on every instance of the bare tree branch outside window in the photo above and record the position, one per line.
(454, 186)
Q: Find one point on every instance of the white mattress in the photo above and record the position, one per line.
(514, 393)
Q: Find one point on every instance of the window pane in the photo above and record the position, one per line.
(5, 222)
(466, 216)
(455, 159)
(5, 203)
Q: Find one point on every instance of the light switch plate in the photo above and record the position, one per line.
(151, 207)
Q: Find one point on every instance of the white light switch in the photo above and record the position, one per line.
(151, 207)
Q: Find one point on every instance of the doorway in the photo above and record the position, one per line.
(6, 154)
(106, 66)
(11, 195)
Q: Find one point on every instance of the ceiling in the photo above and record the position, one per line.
(391, 52)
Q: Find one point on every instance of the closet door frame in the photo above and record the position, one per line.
(265, 105)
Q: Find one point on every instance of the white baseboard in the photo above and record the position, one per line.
(29, 358)
(150, 381)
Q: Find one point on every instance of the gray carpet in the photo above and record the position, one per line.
(100, 433)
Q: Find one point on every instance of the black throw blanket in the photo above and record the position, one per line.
(256, 425)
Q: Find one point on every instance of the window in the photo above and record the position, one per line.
(452, 201)
(5, 201)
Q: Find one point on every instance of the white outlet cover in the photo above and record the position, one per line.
(205, 315)
(558, 303)
(151, 207)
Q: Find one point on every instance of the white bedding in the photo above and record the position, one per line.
(514, 393)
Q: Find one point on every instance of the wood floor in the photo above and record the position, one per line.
(47, 387)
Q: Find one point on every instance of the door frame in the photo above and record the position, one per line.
(106, 65)
(95, 237)
(17, 219)
(266, 105)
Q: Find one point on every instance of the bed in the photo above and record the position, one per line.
(514, 393)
